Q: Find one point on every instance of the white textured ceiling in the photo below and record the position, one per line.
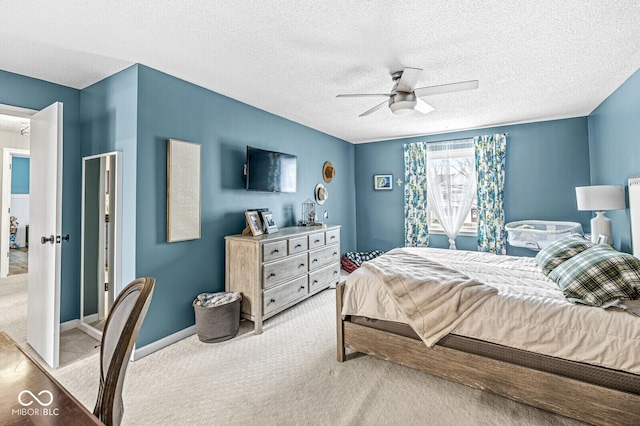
(13, 124)
(535, 60)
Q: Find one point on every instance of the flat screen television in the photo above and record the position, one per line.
(270, 171)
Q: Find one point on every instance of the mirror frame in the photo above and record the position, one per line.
(115, 220)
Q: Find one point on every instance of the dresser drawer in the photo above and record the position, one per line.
(332, 236)
(274, 250)
(277, 297)
(316, 240)
(323, 277)
(297, 245)
(324, 256)
(282, 270)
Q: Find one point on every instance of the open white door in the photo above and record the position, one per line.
(45, 221)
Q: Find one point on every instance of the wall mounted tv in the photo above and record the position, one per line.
(270, 171)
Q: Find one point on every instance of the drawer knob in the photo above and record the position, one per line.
(275, 251)
(335, 253)
(333, 237)
(335, 272)
(272, 275)
(302, 265)
(315, 281)
(316, 241)
(314, 260)
(298, 245)
(271, 301)
(302, 287)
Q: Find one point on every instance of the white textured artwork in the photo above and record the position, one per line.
(183, 191)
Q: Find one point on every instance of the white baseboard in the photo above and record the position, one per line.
(90, 319)
(93, 332)
(69, 325)
(164, 342)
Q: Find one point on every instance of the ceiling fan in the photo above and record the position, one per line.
(405, 97)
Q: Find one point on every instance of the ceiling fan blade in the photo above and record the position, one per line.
(408, 80)
(363, 95)
(446, 88)
(375, 108)
(423, 107)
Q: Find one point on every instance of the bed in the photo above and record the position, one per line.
(514, 334)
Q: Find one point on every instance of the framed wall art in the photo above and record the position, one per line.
(381, 182)
(183, 190)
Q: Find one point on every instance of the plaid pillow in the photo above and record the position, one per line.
(360, 257)
(598, 275)
(558, 251)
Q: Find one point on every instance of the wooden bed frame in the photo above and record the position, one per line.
(569, 397)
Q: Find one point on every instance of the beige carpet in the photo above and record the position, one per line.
(286, 376)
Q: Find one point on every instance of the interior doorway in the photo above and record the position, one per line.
(14, 220)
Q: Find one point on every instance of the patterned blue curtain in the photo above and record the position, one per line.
(491, 151)
(416, 233)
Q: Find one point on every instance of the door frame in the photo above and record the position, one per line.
(7, 158)
(4, 251)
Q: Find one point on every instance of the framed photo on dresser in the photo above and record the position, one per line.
(255, 224)
(268, 222)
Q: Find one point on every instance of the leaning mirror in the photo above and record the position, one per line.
(100, 277)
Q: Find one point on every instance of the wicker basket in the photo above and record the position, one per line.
(217, 323)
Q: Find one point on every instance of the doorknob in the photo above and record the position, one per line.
(45, 240)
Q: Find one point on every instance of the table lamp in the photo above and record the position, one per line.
(599, 198)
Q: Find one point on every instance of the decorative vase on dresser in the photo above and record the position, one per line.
(275, 271)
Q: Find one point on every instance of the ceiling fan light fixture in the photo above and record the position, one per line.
(402, 103)
(402, 107)
(406, 97)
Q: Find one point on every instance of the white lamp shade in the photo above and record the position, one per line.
(600, 197)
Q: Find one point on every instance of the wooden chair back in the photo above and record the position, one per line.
(118, 338)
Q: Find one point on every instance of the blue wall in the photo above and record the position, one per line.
(20, 175)
(545, 162)
(109, 117)
(137, 110)
(26, 92)
(614, 134)
(172, 108)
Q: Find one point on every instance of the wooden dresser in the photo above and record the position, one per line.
(275, 271)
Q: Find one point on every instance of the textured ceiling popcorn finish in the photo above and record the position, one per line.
(535, 61)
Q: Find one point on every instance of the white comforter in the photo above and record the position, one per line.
(529, 311)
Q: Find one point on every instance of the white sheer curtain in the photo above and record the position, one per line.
(451, 179)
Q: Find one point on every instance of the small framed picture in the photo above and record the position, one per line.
(255, 224)
(382, 182)
(268, 222)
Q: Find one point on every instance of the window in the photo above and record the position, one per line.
(451, 168)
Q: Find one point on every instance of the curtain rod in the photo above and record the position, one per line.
(462, 139)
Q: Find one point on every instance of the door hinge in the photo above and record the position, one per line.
(106, 286)
(106, 218)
